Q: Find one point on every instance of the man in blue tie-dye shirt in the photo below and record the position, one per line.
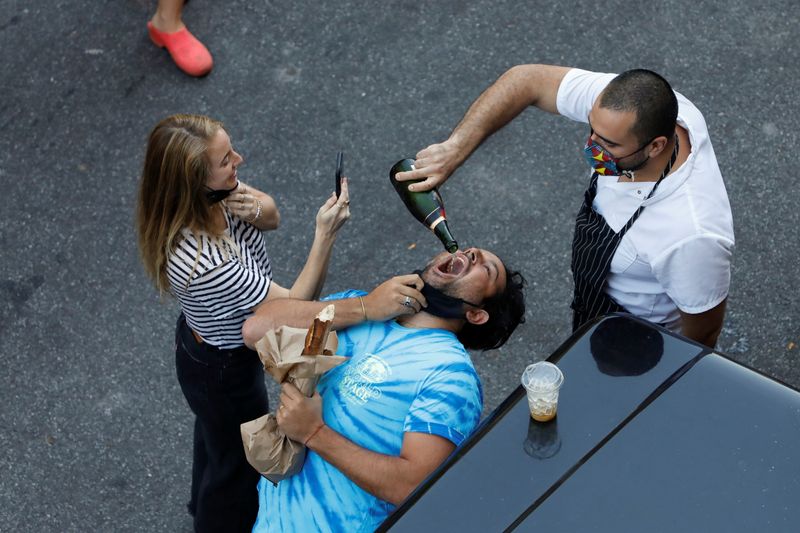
(382, 422)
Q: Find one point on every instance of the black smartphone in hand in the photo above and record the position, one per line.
(339, 164)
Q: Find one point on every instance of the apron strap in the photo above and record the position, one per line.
(666, 171)
(593, 248)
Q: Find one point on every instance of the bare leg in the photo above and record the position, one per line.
(168, 16)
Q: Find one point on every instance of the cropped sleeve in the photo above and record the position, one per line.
(448, 404)
(228, 288)
(351, 293)
(696, 272)
(578, 91)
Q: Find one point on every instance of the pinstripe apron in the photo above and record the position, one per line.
(593, 246)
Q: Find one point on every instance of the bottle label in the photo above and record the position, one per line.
(434, 217)
(436, 222)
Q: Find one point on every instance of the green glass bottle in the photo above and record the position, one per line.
(426, 206)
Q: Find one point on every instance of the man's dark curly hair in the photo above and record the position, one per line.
(506, 311)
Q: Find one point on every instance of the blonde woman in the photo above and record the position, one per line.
(200, 241)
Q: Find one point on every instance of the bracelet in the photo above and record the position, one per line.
(314, 434)
(258, 211)
(363, 308)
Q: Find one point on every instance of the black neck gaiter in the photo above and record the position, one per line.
(217, 195)
(441, 304)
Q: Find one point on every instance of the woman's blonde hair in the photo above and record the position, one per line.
(172, 190)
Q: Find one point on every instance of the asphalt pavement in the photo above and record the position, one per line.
(94, 432)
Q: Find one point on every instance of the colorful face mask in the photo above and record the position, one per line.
(217, 195)
(606, 164)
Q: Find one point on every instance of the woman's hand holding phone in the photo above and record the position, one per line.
(334, 212)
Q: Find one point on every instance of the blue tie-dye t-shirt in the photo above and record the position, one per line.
(397, 380)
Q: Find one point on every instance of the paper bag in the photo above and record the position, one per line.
(268, 450)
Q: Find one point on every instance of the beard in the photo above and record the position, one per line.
(632, 167)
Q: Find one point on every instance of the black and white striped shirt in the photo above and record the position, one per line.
(219, 280)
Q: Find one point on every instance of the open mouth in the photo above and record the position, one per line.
(454, 265)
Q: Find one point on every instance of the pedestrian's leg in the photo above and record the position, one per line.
(168, 16)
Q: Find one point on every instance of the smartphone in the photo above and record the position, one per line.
(339, 164)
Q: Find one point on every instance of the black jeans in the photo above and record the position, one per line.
(224, 388)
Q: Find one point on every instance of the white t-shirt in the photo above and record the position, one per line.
(677, 254)
(218, 288)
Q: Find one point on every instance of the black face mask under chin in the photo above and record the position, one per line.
(441, 304)
(217, 195)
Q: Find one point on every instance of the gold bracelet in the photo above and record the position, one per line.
(364, 309)
(258, 211)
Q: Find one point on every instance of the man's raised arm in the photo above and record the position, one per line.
(521, 86)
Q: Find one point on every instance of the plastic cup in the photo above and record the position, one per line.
(542, 382)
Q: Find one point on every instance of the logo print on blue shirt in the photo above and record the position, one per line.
(361, 380)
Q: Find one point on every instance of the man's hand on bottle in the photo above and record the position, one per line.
(394, 297)
(434, 164)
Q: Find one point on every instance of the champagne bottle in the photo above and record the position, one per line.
(426, 206)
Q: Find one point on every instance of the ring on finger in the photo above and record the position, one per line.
(407, 301)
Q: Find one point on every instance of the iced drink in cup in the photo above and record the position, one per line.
(542, 381)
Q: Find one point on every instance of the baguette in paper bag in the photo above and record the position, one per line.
(317, 334)
(268, 450)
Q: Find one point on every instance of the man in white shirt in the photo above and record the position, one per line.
(654, 236)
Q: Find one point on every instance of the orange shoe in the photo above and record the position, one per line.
(187, 52)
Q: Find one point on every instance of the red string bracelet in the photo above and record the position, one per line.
(313, 434)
